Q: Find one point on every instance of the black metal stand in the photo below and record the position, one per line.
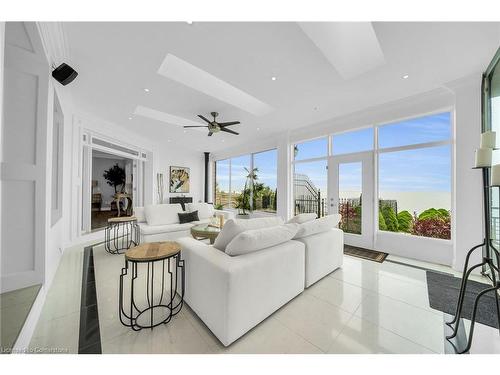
(487, 261)
(121, 235)
(167, 307)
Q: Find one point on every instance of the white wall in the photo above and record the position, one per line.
(468, 222)
(172, 155)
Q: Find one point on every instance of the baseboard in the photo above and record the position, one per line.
(23, 340)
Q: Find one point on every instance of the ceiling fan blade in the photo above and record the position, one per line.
(222, 124)
(204, 118)
(210, 134)
(229, 131)
(201, 126)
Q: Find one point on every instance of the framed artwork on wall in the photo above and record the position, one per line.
(179, 179)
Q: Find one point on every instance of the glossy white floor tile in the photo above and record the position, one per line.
(365, 307)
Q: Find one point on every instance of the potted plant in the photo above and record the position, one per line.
(115, 176)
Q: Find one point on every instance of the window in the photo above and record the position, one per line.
(415, 183)
(247, 182)
(356, 141)
(426, 129)
(311, 149)
(310, 187)
(222, 199)
(240, 170)
(265, 165)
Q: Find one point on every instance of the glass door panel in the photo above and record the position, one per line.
(351, 195)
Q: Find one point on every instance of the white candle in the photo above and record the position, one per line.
(495, 175)
(483, 157)
(489, 139)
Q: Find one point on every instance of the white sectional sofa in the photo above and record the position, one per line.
(160, 222)
(254, 267)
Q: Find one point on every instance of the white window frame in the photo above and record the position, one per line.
(251, 154)
(376, 152)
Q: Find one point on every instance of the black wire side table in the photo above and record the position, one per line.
(121, 234)
(153, 300)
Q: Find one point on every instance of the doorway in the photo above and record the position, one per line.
(112, 177)
(351, 185)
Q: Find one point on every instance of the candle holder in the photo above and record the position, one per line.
(487, 261)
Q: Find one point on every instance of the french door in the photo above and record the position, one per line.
(351, 194)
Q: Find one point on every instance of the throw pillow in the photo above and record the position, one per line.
(258, 239)
(188, 217)
(323, 224)
(233, 227)
(302, 218)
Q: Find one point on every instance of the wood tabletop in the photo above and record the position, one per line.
(153, 251)
(121, 219)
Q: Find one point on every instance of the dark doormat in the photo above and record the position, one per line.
(443, 292)
(376, 256)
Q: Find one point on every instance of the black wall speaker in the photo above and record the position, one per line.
(64, 74)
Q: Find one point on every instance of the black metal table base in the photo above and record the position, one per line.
(487, 261)
(165, 304)
(121, 236)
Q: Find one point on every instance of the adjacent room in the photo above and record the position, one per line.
(250, 187)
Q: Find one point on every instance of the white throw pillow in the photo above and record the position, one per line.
(258, 239)
(139, 214)
(162, 214)
(233, 227)
(317, 226)
(302, 218)
(205, 210)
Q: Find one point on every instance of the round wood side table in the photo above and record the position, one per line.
(122, 233)
(162, 299)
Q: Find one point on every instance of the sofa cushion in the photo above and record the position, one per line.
(262, 238)
(233, 227)
(188, 217)
(302, 218)
(167, 228)
(162, 214)
(139, 214)
(205, 210)
(322, 224)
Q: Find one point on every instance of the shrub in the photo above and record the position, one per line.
(433, 227)
(405, 221)
(390, 218)
(381, 221)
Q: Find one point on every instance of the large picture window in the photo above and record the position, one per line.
(415, 176)
(247, 182)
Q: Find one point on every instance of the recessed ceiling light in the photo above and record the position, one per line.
(222, 140)
(189, 22)
(258, 128)
(273, 78)
(130, 118)
(168, 140)
(146, 90)
(405, 76)
(316, 108)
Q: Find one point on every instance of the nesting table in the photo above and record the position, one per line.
(204, 231)
(121, 234)
(153, 279)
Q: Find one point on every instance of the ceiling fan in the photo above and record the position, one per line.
(214, 126)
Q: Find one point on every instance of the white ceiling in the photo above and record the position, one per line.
(116, 61)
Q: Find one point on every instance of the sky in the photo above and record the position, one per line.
(420, 170)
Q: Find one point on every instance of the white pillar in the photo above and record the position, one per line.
(468, 215)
